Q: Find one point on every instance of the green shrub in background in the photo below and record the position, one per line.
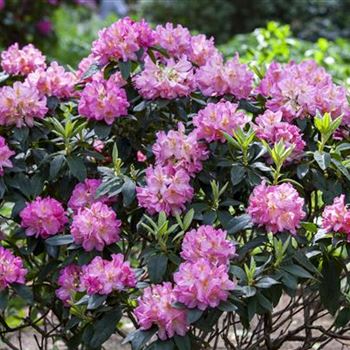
(310, 19)
(75, 32)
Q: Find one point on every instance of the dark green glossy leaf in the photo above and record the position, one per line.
(105, 327)
(77, 168)
(24, 292)
(157, 265)
(60, 240)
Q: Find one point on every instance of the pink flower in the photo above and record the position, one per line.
(98, 146)
(299, 90)
(104, 276)
(11, 269)
(169, 79)
(44, 217)
(54, 81)
(141, 157)
(270, 128)
(179, 150)
(336, 217)
(5, 154)
(103, 100)
(166, 190)
(217, 78)
(45, 27)
(201, 284)
(84, 66)
(176, 40)
(84, 195)
(279, 208)
(203, 50)
(95, 227)
(20, 104)
(23, 61)
(69, 282)
(217, 118)
(208, 243)
(122, 40)
(2, 4)
(155, 307)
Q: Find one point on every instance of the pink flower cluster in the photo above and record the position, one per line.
(44, 217)
(53, 81)
(215, 118)
(166, 190)
(104, 276)
(5, 154)
(208, 243)
(298, 90)
(178, 42)
(155, 307)
(84, 195)
(11, 269)
(168, 79)
(23, 61)
(202, 284)
(279, 207)
(122, 40)
(95, 227)
(179, 150)
(336, 217)
(20, 104)
(217, 78)
(103, 100)
(100, 276)
(69, 282)
(271, 128)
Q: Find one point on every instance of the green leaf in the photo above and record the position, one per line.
(297, 271)
(302, 170)
(239, 223)
(237, 174)
(3, 299)
(343, 317)
(330, 286)
(289, 281)
(105, 327)
(250, 245)
(141, 106)
(24, 292)
(163, 345)
(95, 301)
(248, 291)
(157, 266)
(139, 338)
(341, 168)
(227, 306)
(94, 68)
(264, 302)
(56, 165)
(188, 219)
(323, 159)
(77, 168)
(266, 282)
(102, 130)
(183, 343)
(129, 191)
(194, 315)
(60, 240)
(309, 226)
(125, 69)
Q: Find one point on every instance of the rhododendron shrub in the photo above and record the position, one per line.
(171, 197)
